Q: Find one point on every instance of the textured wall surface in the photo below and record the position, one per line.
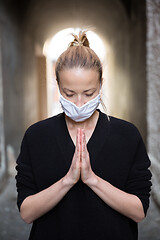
(18, 83)
(18, 74)
(3, 163)
(153, 78)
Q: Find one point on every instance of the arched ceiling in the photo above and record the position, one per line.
(44, 18)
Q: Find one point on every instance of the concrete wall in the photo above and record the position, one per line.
(153, 79)
(19, 82)
(128, 66)
(3, 162)
(9, 40)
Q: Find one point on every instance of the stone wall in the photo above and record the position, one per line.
(153, 79)
(8, 66)
(19, 103)
(3, 163)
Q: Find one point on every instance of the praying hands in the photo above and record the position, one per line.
(80, 167)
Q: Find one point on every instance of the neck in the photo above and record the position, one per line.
(84, 124)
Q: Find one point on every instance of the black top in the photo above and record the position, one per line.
(117, 154)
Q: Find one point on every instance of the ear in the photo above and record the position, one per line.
(101, 82)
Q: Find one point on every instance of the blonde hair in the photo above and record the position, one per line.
(79, 54)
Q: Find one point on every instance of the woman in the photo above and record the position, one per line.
(81, 174)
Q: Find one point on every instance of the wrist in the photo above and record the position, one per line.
(92, 181)
(66, 181)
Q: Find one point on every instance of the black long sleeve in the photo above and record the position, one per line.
(117, 154)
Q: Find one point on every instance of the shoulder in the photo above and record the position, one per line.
(122, 124)
(44, 126)
(124, 128)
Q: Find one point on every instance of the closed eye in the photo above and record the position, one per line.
(89, 95)
(69, 95)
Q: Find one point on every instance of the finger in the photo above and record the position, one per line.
(83, 141)
(85, 154)
(82, 133)
(78, 141)
(80, 137)
(84, 138)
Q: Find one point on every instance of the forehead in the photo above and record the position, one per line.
(78, 77)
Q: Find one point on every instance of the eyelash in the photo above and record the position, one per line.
(69, 95)
(88, 95)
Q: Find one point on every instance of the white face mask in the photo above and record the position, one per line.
(82, 113)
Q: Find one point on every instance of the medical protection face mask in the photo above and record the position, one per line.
(82, 113)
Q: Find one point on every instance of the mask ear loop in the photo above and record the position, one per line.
(101, 101)
(100, 88)
(108, 118)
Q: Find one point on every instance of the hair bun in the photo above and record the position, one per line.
(80, 40)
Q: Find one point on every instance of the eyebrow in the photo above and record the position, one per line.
(84, 91)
